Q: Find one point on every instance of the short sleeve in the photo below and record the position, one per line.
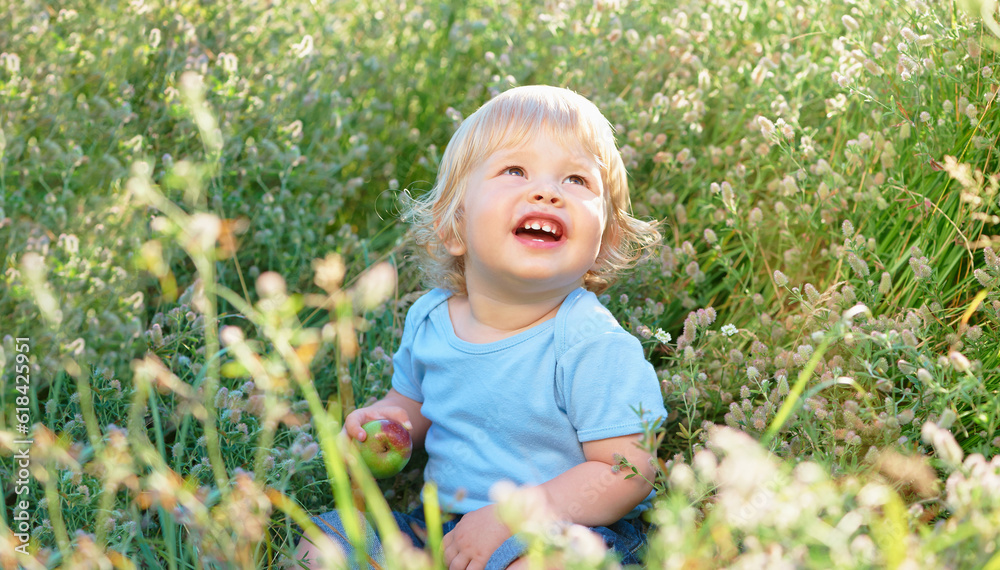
(407, 377)
(603, 383)
(404, 379)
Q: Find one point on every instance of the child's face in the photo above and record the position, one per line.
(533, 219)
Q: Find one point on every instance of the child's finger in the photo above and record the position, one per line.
(398, 415)
(353, 423)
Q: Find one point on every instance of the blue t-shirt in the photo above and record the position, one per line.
(519, 408)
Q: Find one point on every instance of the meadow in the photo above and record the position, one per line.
(204, 268)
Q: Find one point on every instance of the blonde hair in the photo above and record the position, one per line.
(507, 121)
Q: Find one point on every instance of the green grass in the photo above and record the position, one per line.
(157, 160)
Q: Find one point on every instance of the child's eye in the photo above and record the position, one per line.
(574, 179)
(513, 171)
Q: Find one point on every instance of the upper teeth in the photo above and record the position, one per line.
(537, 226)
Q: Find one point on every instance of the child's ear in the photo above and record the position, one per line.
(455, 246)
(452, 241)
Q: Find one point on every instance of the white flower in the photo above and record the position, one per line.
(766, 127)
(729, 330)
(682, 477)
(376, 285)
(304, 48)
(329, 272)
(154, 37)
(11, 62)
(662, 336)
(270, 284)
(203, 230)
(945, 446)
(230, 335)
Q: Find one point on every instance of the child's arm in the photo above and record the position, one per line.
(394, 406)
(590, 494)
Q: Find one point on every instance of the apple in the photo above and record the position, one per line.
(387, 447)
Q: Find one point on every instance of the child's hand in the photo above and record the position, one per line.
(361, 416)
(473, 540)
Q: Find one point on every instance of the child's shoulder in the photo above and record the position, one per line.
(583, 319)
(425, 303)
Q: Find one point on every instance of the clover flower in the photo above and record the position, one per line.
(811, 293)
(706, 316)
(959, 361)
(680, 212)
(984, 278)
(767, 128)
(690, 329)
(857, 264)
(885, 283)
(729, 329)
(920, 267)
(945, 446)
(782, 385)
(780, 279)
(787, 130)
(735, 356)
(692, 269)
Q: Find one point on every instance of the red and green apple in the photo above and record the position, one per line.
(386, 448)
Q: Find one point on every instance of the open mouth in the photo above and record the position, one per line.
(540, 230)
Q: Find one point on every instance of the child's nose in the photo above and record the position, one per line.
(547, 194)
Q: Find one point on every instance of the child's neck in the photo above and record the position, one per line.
(481, 317)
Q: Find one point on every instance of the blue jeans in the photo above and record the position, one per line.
(627, 538)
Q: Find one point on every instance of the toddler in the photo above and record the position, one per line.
(511, 369)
